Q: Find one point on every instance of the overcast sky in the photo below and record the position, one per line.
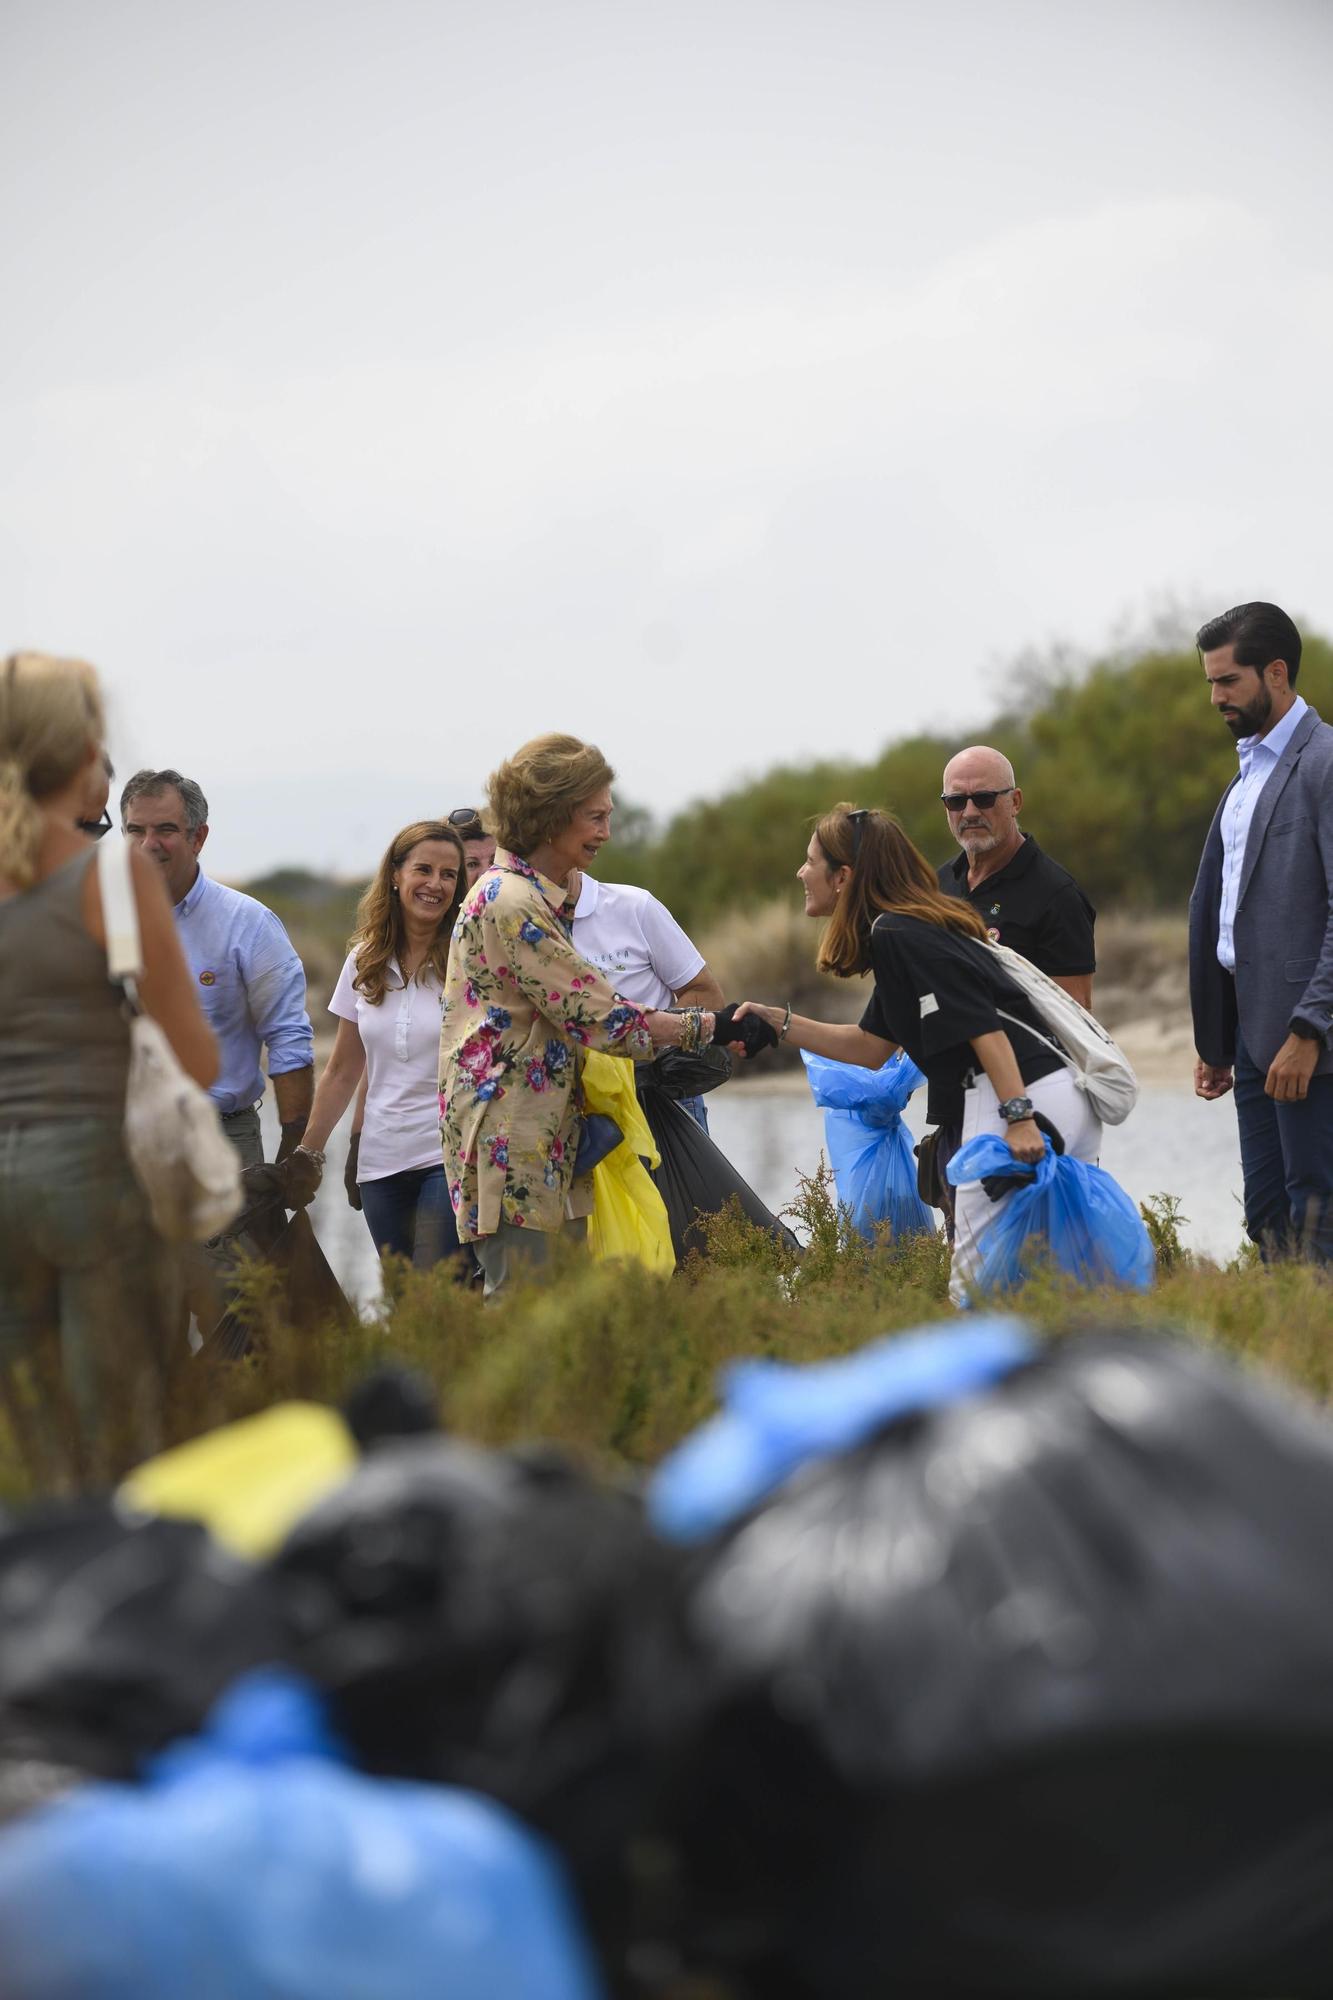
(382, 384)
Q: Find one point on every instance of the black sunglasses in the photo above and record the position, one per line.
(95, 828)
(462, 816)
(858, 820)
(955, 801)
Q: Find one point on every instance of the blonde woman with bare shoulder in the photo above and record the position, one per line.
(88, 1291)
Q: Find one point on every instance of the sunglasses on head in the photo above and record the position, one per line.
(858, 821)
(466, 816)
(95, 828)
(955, 801)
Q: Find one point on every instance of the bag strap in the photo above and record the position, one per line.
(1056, 1048)
(124, 952)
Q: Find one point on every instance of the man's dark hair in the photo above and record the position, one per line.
(1259, 633)
(147, 784)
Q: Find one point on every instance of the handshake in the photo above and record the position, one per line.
(753, 1034)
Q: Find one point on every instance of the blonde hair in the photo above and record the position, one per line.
(379, 935)
(888, 873)
(50, 717)
(536, 792)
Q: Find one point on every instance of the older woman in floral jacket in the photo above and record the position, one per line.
(520, 1003)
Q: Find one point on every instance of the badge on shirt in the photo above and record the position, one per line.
(992, 933)
(207, 978)
(929, 1005)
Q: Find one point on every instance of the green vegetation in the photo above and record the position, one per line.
(618, 1365)
(1122, 762)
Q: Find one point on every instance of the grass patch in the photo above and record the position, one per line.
(617, 1365)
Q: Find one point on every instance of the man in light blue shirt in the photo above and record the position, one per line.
(1261, 933)
(251, 983)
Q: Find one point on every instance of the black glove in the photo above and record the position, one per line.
(349, 1171)
(753, 1032)
(997, 1186)
(298, 1178)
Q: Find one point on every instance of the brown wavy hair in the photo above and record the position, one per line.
(535, 793)
(379, 935)
(889, 872)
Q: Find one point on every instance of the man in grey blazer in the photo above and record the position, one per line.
(1261, 933)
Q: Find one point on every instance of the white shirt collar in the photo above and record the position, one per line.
(588, 895)
(1277, 738)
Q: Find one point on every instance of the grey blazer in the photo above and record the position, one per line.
(1284, 913)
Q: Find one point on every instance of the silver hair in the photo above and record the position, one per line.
(146, 784)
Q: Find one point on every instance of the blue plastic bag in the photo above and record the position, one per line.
(869, 1147)
(254, 1864)
(776, 1417)
(1073, 1215)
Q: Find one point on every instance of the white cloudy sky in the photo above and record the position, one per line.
(383, 383)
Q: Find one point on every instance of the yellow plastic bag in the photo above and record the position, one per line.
(629, 1217)
(250, 1481)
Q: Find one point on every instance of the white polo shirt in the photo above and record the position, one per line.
(635, 941)
(401, 1038)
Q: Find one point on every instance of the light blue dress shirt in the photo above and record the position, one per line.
(251, 986)
(1259, 758)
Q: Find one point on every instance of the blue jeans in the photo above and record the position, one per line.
(89, 1296)
(410, 1215)
(697, 1109)
(1286, 1152)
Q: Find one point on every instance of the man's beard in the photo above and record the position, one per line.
(978, 839)
(1248, 721)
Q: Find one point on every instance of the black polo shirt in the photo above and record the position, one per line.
(1034, 906)
(933, 992)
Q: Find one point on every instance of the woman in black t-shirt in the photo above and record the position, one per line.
(939, 993)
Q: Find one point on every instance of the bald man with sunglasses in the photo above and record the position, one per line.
(1028, 901)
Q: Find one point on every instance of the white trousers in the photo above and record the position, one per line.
(1073, 1117)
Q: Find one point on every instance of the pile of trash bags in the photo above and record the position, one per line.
(969, 1664)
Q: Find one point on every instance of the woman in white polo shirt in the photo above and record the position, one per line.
(387, 1001)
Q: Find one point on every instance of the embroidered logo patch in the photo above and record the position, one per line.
(208, 978)
(993, 934)
(929, 1005)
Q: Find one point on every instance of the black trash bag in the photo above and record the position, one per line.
(117, 1634)
(474, 1617)
(309, 1294)
(389, 1403)
(695, 1175)
(1032, 1694)
(678, 1074)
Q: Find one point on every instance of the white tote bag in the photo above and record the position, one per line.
(182, 1159)
(1099, 1067)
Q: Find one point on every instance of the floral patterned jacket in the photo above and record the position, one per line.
(519, 1005)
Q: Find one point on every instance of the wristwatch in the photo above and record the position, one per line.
(1015, 1109)
(1307, 1030)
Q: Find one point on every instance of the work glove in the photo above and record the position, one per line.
(752, 1032)
(298, 1178)
(349, 1171)
(997, 1186)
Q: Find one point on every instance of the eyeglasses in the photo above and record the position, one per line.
(463, 816)
(955, 801)
(858, 820)
(95, 828)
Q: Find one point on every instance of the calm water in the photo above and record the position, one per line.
(1172, 1143)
